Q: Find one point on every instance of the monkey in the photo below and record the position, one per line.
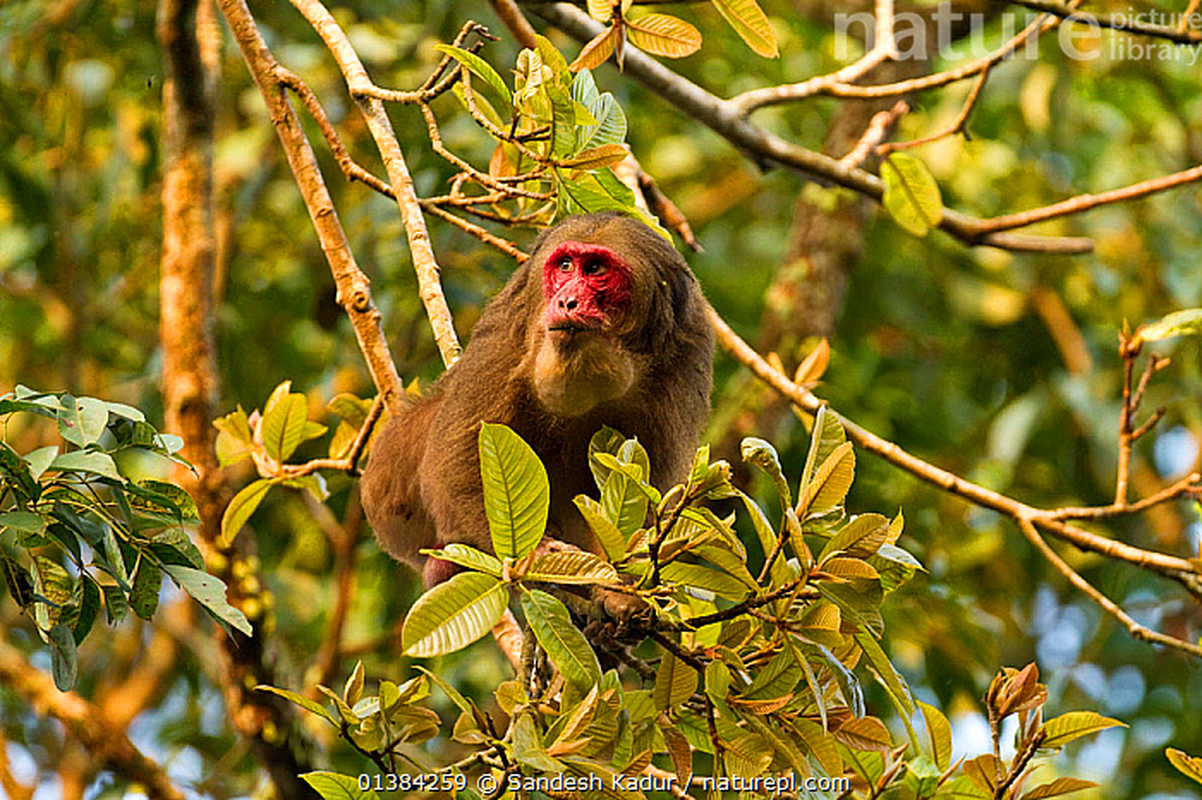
(604, 324)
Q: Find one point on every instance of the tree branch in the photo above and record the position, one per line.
(727, 118)
(107, 743)
(372, 108)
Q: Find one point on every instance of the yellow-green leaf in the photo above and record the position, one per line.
(564, 643)
(600, 10)
(663, 35)
(985, 771)
(571, 566)
(751, 23)
(241, 507)
(1190, 766)
(1058, 787)
(940, 732)
(675, 682)
(478, 66)
(1063, 729)
(596, 157)
(284, 426)
(830, 483)
(517, 493)
(912, 196)
(453, 614)
(1179, 323)
(611, 539)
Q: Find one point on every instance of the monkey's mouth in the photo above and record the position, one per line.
(571, 328)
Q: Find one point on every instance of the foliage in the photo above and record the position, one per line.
(996, 365)
(77, 524)
(762, 681)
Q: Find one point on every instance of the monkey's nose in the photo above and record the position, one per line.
(568, 303)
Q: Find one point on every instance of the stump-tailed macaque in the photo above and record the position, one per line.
(604, 324)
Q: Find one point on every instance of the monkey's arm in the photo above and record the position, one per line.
(391, 489)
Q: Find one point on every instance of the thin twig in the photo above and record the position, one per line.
(1127, 23)
(1136, 630)
(1178, 569)
(957, 126)
(726, 118)
(874, 134)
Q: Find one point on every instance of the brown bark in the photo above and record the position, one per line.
(190, 39)
(107, 744)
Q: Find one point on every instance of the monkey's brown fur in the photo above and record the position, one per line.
(645, 371)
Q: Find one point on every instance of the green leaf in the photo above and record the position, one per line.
(777, 679)
(468, 557)
(885, 672)
(82, 421)
(302, 701)
(92, 462)
(451, 692)
(517, 493)
(861, 537)
(571, 567)
(611, 123)
(115, 603)
(563, 122)
(241, 507)
(697, 576)
(624, 502)
(608, 536)
(528, 747)
(453, 614)
(144, 598)
(89, 607)
(23, 521)
(284, 426)
(64, 664)
(675, 682)
(564, 644)
(751, 23)
(1063, 729)
(479, 67)
(912, 196)
(210, 593)
(1190, 766)
(337, 786)
(1179, 323)
(40, 460)
(763, 455)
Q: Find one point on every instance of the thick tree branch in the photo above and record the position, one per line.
(106, 743)
(729, 120)
(353, 286)
(372, 108)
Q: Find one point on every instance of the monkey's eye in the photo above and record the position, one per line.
(565, 264)
(594, 266)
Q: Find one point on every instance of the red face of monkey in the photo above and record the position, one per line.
(586, 286)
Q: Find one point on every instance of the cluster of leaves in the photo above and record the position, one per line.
(666, 35)
(557, 138)
(756, 675)
(270, 438)
(76, 527)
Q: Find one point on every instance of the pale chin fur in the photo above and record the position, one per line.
(573, 383)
